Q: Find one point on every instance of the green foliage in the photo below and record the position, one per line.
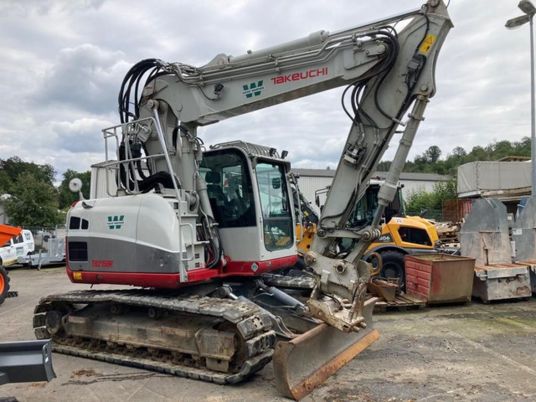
(33, 202)
(66, 197)
(432, 154)
(459, 153)
(430, 162)
(5, 182)
(419, 201)
(14, 167)
(431, 201)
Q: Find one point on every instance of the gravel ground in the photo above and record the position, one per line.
(476, 352)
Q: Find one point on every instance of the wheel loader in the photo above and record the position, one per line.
(400, 234)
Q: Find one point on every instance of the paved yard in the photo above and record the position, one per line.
(477, 352)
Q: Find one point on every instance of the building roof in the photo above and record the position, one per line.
(515, 159)
(377, 175)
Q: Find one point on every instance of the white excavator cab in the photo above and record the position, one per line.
(249, 194)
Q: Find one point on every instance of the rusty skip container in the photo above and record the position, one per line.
(440, 278)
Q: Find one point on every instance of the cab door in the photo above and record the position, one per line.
(19, 246)
(8, 253)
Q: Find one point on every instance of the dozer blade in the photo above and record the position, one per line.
(305, 362)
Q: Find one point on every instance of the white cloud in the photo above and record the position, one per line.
(79, 136)
(84, 77)
(63, 63)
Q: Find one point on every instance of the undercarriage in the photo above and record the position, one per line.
(208, 338)
(214, 335)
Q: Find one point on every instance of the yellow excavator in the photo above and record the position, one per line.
(400, 234)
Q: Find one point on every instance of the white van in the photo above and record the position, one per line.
(19, 246)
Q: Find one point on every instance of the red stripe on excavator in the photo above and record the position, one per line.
(246, 268)
(171, 281)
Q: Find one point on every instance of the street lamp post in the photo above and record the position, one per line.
(528, 8)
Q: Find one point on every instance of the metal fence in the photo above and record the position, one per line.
(452, 211)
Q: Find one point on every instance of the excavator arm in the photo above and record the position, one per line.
(385, 71)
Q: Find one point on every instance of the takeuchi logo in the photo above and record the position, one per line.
(253, 89)
(116, 221)
(302, 75)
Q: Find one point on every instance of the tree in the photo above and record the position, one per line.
(418, 202)
(478, 153)
(501, 149)
(431, 201)
(66, 197)
(459, 153)
(33, 202)
(522, 148)
(5, 183)
(15, 166)
(432, 154)
(430, 162)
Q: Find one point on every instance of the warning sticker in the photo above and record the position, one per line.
(427, 44)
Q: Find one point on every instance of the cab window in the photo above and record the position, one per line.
(275, 205)
(364, 210)
(229, 188)
(413, 235)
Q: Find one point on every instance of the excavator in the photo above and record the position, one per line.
(192, 229)
(400, 234)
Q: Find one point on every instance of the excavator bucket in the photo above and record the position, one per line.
(305, 362)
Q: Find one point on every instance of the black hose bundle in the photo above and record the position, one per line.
(130, 92)
(388, 36)
(356, 89)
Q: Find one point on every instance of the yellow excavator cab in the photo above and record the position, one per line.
(409, 233)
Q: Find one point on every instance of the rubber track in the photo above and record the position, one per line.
(250, 322)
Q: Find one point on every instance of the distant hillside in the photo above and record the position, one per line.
(431, 162)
